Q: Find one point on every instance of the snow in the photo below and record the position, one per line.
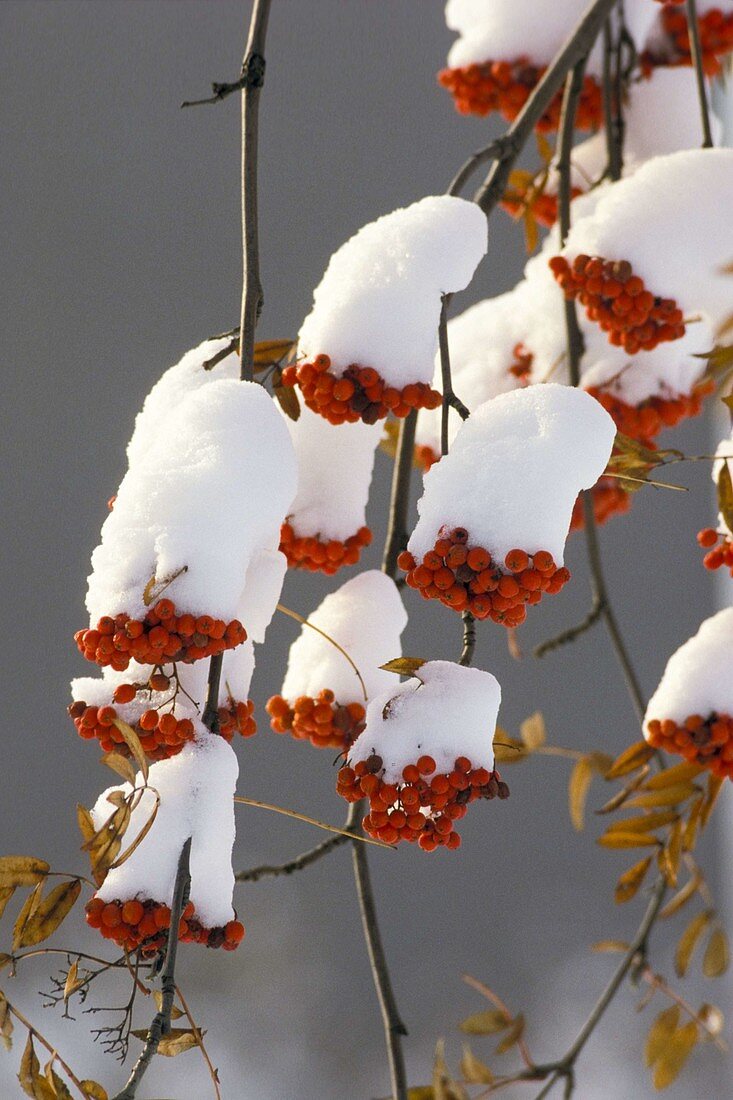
(508, 30)
(196, 790)
(445, 711)
(366, 617)
(378, 304)
(668, 220)
(183, 378)
(514, 471)
(481, 342)
(335, 465)
(206, 497)
(697, 678)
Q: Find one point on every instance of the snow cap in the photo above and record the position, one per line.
(697, 678)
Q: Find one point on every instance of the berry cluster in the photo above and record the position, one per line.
(237, 718)
(163, 635)
(543, 207)
(618, 302)
(609, 500)
(521, 364)
(357, 394)
(466, 578)
(719, 549)
(322, 721)
(161, 735)
(645, 421)
(716, 36)
(143, 925)
(506, 86)
(706, 741)
(417, 808)
(308, 552)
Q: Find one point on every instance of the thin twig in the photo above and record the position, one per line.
(656, 981)
(577, 46)
(305, 859)
(450, 398)
(469, 638)
(161, 1024)
(400, 495)
(572, 632)
(347, 832)
(199, 1036)
(306, 622)
(696, 52)
(496, 1000)
(610, 109)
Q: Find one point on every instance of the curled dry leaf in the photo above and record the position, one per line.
(6, 1022)
(688, 942)
(578, 787)
(680, 898)
(533, 732)
(646, 823)
(49, 913)
(6, 893)
(660, 1033)
(474, 1071)
(32, 1082)
(22, 871)
(630, 759)
(120, 765)
(627, 840)
(133, 743)
(404, 666)
(670, 777)
(508, 749)
(717, 955)
(486, 1023)
(630, 881)
(29, 907)
(669, 796)
(610, 946)
(94, 1090)
(677, 1050)
(513, 1035)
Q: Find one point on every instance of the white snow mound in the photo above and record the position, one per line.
(697, 678)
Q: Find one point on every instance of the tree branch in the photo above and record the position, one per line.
(696, 51)
(469, 638)
(400, 495)
(305, 859)
(450, 399)
(161, 1024)
(577, 46)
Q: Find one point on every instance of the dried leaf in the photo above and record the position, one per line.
(486, 1023)
(388, 442)
(670, 777)
(444, 1086)
(4, 959)
(578, 787)
(177, 1041)
(268, 353)
(104, 846)
(725, 493)
(673, 852)
(85, 822)
(59, 1088)
(647, 823)
(94, 1090)
(121, 765)
(29, 1075)
(507, 749)
(533, 732)
(158, 998)
(625, 793)
(676, 1052)
(132, 741)
(139, 838)
(421, 1092)
(285, 396)
(630, 759)
(30, 905)
(717, 956)
(660, 1033)
(404, 666)
(680, 898)
(610, 946)
(600, 762)
(627, 840)
(715, 784)
(630, 881)
(531, 229)
(50, 913)
(6, 1022)
(473, 1070)
(712, 1018)
(515, 1032)
(669, 796)
(689, 837)
(688, 941)
(6, 893)
(72, 982)
(22, 871)
(719, 360)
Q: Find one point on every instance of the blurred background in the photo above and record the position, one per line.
(121, 251)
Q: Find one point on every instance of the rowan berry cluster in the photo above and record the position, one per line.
(144, 925)
(237, 717)
(309, 552)
(161, 735)
(322, 721)
(467, 579)
(706, 741)
(357, 394)
(618, 302)
(609, 500)
(418, 809)
(716, 36)
(163, 635)
(505, 86)
(719, 549)
(543, 207)
(646, 420)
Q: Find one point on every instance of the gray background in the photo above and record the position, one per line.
(120, 251)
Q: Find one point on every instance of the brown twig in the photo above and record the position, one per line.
(450, 398)
(696, 52)
(656, 981)
(610, 115)
(199, 1037)
(400, 495)
(469, 639)
(305, 859)
(55, 1056)
(496, 1000)
(162, 1020)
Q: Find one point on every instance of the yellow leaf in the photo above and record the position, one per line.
(474, 1071)
(158, 998)
(531, 231)
(610, 946)
(507, 749)
(485, 1023)
(50, 913)
(660, 1033)
(444, 1087)
(404, 666)
(515, 1032)
(627, 840)
(59, 1089)
(673, 852)
(631, 880)
(670, 777)
(132, 741)
(678, 1049)
(670, 796)
(29, 1075)
(717, 956)
(177, 1041)
(715, 784)
(630, 759)
(6, 893)
(121, 765)
(689, 838)
(533, 732)
(22, 871)
(544, 148)
(622, 796)
(85, 822)
(140, 836)
(647, 823)
(269, 352)
(688, 941)
(578, 786)
(94, 1091)
(29, 907)
(4, 959)
(388, 442)
(6, 1022)
(680, 898)
(725, 495)
(421, 1092)
(600, 762)
(285, 396)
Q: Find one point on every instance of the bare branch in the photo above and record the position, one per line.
(696, 51)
